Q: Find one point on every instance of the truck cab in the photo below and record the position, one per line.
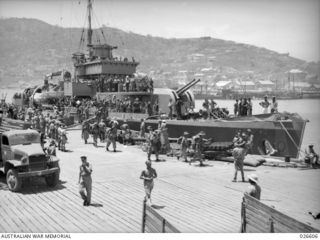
(21, 157)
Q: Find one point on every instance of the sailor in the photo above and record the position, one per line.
(236, 108)
(198, 148)
(142, 128)
(265, 104)
(85, 181)
(148, 175)
(274, 105)
(249, 103)
(136, 105)
(254, 190)
(111, 137)
(184, 144)
(238, 153)
(85, 132)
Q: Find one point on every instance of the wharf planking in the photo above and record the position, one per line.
(191, 198)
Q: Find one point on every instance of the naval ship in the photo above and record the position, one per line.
(92, 69)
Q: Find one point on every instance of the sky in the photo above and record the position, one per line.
(285, 26)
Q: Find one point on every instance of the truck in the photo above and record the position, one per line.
(23, 157)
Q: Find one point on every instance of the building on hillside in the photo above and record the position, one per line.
(265, 85)
(196, 57)
(295, 75)
(224, 84)
(298, 86)
(247, 85)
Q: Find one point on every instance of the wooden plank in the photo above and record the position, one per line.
(151, 222)
(296, 225)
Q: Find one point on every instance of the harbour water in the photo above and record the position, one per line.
(307, 108)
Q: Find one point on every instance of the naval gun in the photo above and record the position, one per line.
(186, 87)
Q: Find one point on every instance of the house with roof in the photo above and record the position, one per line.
(224, 84)
(265, 85)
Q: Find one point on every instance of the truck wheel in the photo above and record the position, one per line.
(13, 181)
(52, 179)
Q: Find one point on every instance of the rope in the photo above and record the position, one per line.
(291, 138)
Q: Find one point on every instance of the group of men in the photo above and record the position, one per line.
(100, 130)
(243, 107)
(119, 83)
(193, 147)
(265, 104)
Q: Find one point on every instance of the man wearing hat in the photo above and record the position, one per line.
(148, 175)
(184, 146)
(254, 190)
(311, 156)
(239, 153)
(249, 142)
(265, 104)
(154, 144)
(52, 148)
(198, 148)
(142, 128)
(111, 137)
(85, 181)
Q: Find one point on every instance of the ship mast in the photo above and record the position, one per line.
(89, 44)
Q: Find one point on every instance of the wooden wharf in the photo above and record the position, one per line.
(193, 199)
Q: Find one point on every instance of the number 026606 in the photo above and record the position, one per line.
(309, 235)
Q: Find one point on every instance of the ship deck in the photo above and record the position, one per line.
(191, 198)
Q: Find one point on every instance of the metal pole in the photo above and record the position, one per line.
(89, 23)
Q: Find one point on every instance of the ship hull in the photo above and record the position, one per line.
(285, 136)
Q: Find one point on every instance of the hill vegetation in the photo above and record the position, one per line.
(31, 48)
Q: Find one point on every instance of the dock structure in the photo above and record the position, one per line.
(193, 199)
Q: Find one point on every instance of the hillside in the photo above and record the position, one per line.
(31, 48)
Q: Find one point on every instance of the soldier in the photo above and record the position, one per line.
(148, 175)
(85, 181)
(51, 129)
(85, 132)
(154, 144)
(239, 154)
(198, 148)
(95, 134)
(111, 137)
(63, 140)
(184, 146)
(42, 124)
(37, 122)
(142, 128)
(59, 132)
(102, 130)
(52, 148)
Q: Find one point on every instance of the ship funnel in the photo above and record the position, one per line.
(186, 87)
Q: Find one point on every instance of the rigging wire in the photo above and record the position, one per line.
(99, 25)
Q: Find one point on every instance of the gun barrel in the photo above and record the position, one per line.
(187, 86)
